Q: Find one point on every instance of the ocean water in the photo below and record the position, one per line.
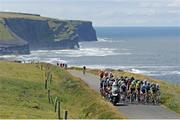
(152, 51)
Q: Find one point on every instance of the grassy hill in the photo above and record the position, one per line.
(5, 35)
(21, 15)
(22, 94)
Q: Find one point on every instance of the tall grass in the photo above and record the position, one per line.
(22, 94)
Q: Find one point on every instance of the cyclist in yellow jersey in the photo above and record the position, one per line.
(133, 86)
(138, 89)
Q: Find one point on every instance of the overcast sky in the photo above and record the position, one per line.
(103, 12)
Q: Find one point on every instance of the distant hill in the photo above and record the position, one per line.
(22, 32)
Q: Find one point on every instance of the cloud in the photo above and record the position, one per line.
(102, 12)
(174, 3)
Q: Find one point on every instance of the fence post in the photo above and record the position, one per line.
(49, 96)
(65, 115)
(41, 67)
(59, 112)
(52, 101)
(45, 84)
(50, 79)
(55, 103)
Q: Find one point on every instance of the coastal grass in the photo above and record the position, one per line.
(4, 33)
(22, 94)
(170, 93)
(67, 28)
(21, 15)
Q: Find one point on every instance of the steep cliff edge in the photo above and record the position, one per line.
(38, 32)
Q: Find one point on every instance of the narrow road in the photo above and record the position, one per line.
(132, 111)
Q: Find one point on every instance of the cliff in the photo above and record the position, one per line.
(34, 32)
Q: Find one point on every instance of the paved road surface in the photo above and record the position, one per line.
(131, 111)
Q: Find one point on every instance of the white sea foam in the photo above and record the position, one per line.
(108, 40)
(134, 69)
(79, 52)
(7, 56)
(155, 72)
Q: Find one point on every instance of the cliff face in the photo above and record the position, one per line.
(38, 32)
(35, 32)
(86, 32)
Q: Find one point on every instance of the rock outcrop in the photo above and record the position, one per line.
(24, 32)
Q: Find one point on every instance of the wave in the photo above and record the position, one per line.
(109, 40)
(79, 52)
(7, 56)
(155, 72)
(29, 58)
(133, 69)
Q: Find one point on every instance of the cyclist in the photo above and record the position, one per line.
(111, 75)
(158, 87)
(101, 87)
(158, 92)
(106, 74)
(133, 90)
(148, 88)
(123, 91)
(84, 69)
(101, 75)
(143, 92)
(138, 89)
(154, 92)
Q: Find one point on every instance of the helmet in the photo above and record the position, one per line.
(132, 78)
(144, 81)
(122, 82)
(114, 83)
(133, 82)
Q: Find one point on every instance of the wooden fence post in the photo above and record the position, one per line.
(45, 84)
(56, 103)
(65, 115)
(59, 110)
(49, 96)
(50, 79)
(52, 101)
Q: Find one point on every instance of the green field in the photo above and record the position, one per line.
(23, 95)
(4, 33)
(21, 15)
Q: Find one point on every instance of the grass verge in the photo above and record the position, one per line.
(22, 94)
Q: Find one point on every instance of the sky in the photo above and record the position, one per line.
(103, 12)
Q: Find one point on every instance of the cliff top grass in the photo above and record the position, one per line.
(21, 15)
(34, 17)
(5, 35)
(23, 95)
(170, 93)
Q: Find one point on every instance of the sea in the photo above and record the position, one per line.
(151, 51)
